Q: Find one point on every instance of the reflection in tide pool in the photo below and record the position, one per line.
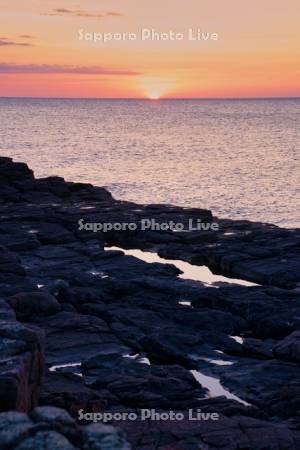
(215, 388)
(189, 271)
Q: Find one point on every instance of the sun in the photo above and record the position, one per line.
(154, 88)
(153, 96)
(154, 91)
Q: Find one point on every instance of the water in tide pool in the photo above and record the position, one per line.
(239, 158)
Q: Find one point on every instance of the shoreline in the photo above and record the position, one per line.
(125, 335)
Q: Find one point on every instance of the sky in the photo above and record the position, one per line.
(46, 48)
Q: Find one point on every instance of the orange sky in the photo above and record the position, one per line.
(257, 53)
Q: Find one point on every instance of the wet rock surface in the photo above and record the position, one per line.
(86, 328)
(53, 428)
(21, 363)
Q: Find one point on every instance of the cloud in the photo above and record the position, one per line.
(114, 13)
(62, 10)
(5, 42)
(26, 36)
(77, 13)
(56, 69)
(86, 14)
(81, 13)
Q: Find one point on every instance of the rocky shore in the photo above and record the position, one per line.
(87, 328)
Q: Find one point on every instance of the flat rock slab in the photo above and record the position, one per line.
(122, 334)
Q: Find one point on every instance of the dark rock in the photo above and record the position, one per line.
(50, 233)
(88, 192)
(72, 337)
(6, 313)
(11, 172)
(272, 386)
(46, 440)
(224, 434)
(18, 242)
(65, 390)
(14, 427)
(289, 348)
(28, 304)
(53, 428)
(137, 384)
(56, 185)
(21, 367)
(106, 316)
(51, 414)
(104, 437)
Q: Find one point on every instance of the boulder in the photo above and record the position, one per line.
(28, 304)
(51, 414)
(44, 440)
(53, 428)
(104, 437)
(14, 426)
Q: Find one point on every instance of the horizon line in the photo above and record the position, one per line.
(152, 100)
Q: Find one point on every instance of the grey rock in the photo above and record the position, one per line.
(46, 440)
(14, 426)
(104, 437)
(51, 414)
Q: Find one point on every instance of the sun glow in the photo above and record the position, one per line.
(154, 88)
(153, 96)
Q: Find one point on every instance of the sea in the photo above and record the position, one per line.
(239, 158)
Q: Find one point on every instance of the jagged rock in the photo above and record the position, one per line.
(56, 185)
(53, 233)
(88, 192)
(10, 263)
(7, 257)
(271, 385)
(104, 313)
(72, 336)
(21, 366)
(65, 390)
(19, 241)
(141, 385)
(11, 172)
(6, 313)
(28, 304)
(289, 348)
(225, 434)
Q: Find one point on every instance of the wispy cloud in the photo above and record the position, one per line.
(26, 36)
(81, 13)
(5, 42)
(62, 10)
(114, 13)
(56, 68)
(77, 13)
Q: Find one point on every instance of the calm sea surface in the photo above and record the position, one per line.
(239, 158)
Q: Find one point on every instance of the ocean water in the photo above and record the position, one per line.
(239, 158)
